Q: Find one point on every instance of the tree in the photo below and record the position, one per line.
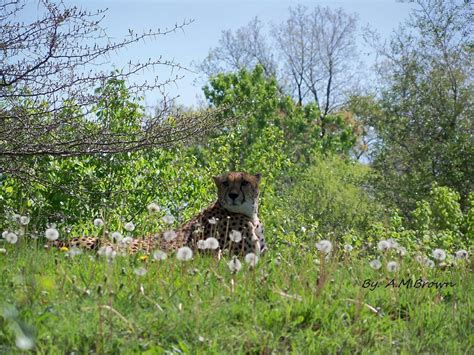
(49, 69)
(423, 118)
(316, 51)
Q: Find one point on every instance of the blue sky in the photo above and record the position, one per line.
(210, 18)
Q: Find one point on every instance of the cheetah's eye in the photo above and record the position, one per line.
(245, 183)
(225, 183)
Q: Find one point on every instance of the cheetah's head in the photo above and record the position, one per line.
(238, 192)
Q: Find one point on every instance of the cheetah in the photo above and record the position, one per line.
(234, 212)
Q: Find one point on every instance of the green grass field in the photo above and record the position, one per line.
(293, 301)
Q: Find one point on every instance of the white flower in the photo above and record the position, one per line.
(24, 342)
(98, 222)
(24, 220)
(439, 254)
(107, 251)
(159, 255)
(234, 265)
(51, 234)
(430, 263)
(384, 245)
(125, 241)
(4, 234)
(324, 246)
(16, 217)
(375, 264)
(420, 259)
(235, 236)
(348, 248)
(169, 235)
(392, 266)
(153, 208)
(392, 242)
(251, 259)
(401, 250)
(201, 244)
(212, 243)
(140, 271)
(3, 251)
(116, 237)
(168, 219)
(184, 254)
(73, 252)
(213, 220)
(129, 226)
(461, 254)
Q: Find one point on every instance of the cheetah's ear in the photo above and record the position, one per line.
(216, 179)
(258, 176)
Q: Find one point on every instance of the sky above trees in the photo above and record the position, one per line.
(211, 17)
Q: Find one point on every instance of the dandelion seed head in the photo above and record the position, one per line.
(24, 220)
(439, 254)
(392, 242)
(11, 238)
(430, 263)
(324, 246)
(348, 248)
(401, 250)
(168, 219)
(140, 271)
(107, 251)
(24, 342)
(201, 244)
(125, 241)
(213, 220)
(98, 222)
(251, 259)
(116, 237)
(212, 243)
(129, 226)
(3, 251)
(74, 251)
(51, 234)
(169, 235)
(16, 217)
(375, 264)
(392, 266)
(184, 254)
(159, 255)
(461, 254)
(235, 236)
(4, 234)
(153, 208)
(234, 265)
(383, 245)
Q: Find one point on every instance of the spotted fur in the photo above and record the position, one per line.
(236, 209)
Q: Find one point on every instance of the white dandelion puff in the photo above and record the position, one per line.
(234, 265)
(168, 219)
(213, 220)
(235, 236)
(129, 226)
(125, 241)
(24, 342)
(141, 271)
(383, 245)
(159, 255)
(348, 248)
(439, 254)
(24, 220)
(16, 217)
(201, 244)
(153, 208)
(98, 222)
(51, 234)
(4, 234)
(212, 243)
(401, 250)
(392, 266)
(107, 251)
(420, 259)
(251, 259)
(324, 246)
(184, 254)
(375, 264)
(3, 251)
(116, 237)
(430, 263)
(392, 243)
(461, 254)
(74, 251)
(169, 236)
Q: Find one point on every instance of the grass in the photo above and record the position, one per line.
(294, 301)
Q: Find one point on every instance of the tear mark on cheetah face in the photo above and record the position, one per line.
(238, 192)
